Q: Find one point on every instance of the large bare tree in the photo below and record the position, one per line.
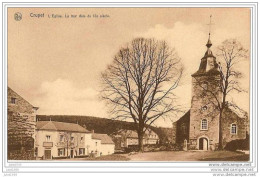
(229, 54)
(139, 83)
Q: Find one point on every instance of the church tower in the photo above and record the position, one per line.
(204, 115)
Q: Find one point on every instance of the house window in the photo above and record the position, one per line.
(96, 143)
(204, 124)
(13, 100)
(61, 152)
(72, 138)
(48, 138)
(61, 138)
(81, 151)
(81, 139)
(233, 128)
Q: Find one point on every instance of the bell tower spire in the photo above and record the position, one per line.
(209, 44)
(205, 88)
(208, 63)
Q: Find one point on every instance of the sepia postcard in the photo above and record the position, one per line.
(129, 87)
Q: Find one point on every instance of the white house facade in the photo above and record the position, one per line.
(57, 140)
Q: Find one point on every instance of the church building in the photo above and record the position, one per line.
(199, 127)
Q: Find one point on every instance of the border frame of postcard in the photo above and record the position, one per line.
(135, 167)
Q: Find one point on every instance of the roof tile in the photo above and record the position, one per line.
(105, 139)
(60, 126)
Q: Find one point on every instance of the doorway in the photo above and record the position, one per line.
(203, 144)
(71, 153)
(47, 154)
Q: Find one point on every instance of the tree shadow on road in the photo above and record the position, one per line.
(244, 157)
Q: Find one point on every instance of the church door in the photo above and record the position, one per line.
(203, 144)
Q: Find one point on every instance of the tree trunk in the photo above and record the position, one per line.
(220, 144)
(140, 140)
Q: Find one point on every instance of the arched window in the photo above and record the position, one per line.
(204, 124)
(233, 129)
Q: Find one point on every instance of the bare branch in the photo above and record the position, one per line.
(140, 82)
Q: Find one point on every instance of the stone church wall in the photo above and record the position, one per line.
(203, 106)
(229, 117)
(182, 128)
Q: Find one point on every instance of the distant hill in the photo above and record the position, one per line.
(107, 126)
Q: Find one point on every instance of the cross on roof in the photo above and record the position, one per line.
(210, 23)
(209, 44)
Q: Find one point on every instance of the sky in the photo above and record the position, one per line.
(56, 63)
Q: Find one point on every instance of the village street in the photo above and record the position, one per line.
(189, 156)
(173, 156)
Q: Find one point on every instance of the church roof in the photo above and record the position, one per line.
(204, 62)
(202, 69)
(226, 110)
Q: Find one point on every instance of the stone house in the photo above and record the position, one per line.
(200, 125)
(21, 127)
(125, 138)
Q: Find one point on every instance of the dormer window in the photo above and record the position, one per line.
(13, 100)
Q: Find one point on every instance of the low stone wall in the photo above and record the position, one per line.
(21, 155)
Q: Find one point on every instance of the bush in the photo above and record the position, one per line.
(81, 156)
(239, 144)
(170, 147)
(62, 157)
(154, 148)
(132, 148)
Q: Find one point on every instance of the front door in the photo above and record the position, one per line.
(47, 154)
(71, 153)
(203, 144)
